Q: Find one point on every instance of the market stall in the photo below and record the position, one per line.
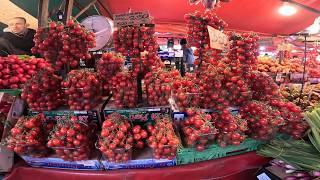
(99, 102)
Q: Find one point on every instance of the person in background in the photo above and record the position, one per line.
(188, 56)
(17, 38)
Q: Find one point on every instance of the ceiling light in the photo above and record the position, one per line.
(287, 9)
(262, 48)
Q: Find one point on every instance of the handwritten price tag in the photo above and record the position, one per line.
(134, 18)
(218, 40)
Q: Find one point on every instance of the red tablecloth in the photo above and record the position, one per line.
(234, 168)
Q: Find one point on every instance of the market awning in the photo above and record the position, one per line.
(249, 15)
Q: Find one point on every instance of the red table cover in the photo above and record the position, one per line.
(237, 167)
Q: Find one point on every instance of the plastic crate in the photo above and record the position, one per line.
(13, 92)
(190, 155)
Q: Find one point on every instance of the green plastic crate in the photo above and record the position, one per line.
(190, 155)
(13, 92)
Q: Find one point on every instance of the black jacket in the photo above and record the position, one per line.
(24, 43)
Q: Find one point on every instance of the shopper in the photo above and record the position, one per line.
(17, 38)
(188, 56)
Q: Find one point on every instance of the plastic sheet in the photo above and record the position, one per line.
(238, 167)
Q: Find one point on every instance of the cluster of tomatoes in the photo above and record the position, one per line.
(263, 120)
(73, 139)
(108, 66)
(197, 23)
(64, 44)
(145, 63)
(158, 86)
(130, 41)
(16, 71)
(28, 136)
(244, 50)
(43, 91)
(82, 89)
(231, 127)
(263, 86)
(199, 129)
(116, 139)
(186, 92)
(163, 139)
(294, 124)
(139, 136)
(124, 90)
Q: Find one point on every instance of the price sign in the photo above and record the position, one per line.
(278, 77)
(218, 40)
(134, 18)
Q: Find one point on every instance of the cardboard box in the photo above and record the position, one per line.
(58, 163)
(142, 160)
(143, 114)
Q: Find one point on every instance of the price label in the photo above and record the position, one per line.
(134, 18)
(218, 40)
(278, 77)
(263, 176)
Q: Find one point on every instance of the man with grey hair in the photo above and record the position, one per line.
(17, 38)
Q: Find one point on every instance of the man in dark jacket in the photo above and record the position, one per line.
(17, 38)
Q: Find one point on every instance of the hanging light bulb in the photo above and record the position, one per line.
(287, 9)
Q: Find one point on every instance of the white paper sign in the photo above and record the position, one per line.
(218, 40)
(134, 18)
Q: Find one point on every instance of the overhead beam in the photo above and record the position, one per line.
(106, 9)
(68, 10)
(78, 5)
(43, 13)
(85, 9)
(303, 6)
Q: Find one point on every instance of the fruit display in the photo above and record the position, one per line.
(29, 136)
(244, 50)
(185, 92)
(263, 86)
(130, 41)
(124, 90)
(158, 86)
(108, 66)
(116, 140)
(63, 44)
(16, 71)
(163, 139)
(197, 23)
(82, 89)
(294, 124)
(306, 100)
(199, 129)
(73, 138)
(198, 35)
(146, 63)
(266, 64)
(263, 121)
(231, 128)
(43, 91)
(140, 135)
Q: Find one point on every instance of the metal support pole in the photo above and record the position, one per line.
(304, 65)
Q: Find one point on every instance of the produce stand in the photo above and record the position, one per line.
(119, 112)
(235, 167)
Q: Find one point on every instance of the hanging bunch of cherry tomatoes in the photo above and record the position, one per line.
(64, 44)
(43, 91)
(82, 89)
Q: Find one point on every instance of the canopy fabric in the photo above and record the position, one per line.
(249, 15)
